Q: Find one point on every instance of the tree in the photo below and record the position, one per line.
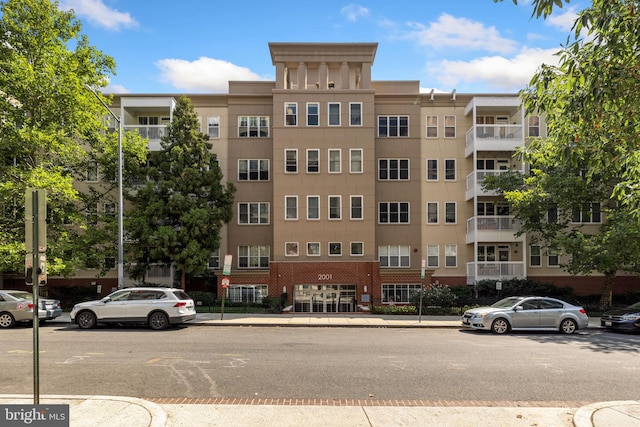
(51, 134)
(541, 7)
(178, 214)
(591, 101)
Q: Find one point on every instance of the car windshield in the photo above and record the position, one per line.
(635, 306)
(21, 295)
(507, 302)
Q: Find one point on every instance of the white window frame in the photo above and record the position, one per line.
(358, 166)
(291, 249)
(448, 170)
(291, 208)
(437, 207)
(355, 119)
(430, 169)
(214, 260)
(309, 217)
(398, 169)
(398, 127)
(447, 206)
(261, 162)
(389, 252)
(399, 211)
(351, 247)
(535, 252)
(213, 127)
(316, 114)
(259, 208)
(534, 125)
(331, 198)
(433, 256)
(261, 249)
(449, 126)
(313, 249)
(317, 151)
(582, 211)
(294, 165)
(262, 122)
(331, 248)
(431, 125)
(291, 114)
(450, 253)
(332, 116)
(360, 208)
(553, 259)
(331, 162)
(92, 172)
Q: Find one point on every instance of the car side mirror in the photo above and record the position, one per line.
(106, 300)
(518, 308)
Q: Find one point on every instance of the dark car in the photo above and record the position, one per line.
(622, 319)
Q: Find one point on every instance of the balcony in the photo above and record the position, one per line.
(153, 132)
(477, 271)
(493, 229)
(475, 180)
(500, 137)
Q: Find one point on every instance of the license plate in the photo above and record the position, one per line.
(465, 321)
(607, 323)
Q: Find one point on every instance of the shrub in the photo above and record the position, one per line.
(434, 295)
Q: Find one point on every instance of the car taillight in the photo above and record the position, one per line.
(180, 304)
(30, 305)
(583, 311)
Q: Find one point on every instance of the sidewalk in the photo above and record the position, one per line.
(116, 411)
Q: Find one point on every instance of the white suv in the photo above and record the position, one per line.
(156, 307)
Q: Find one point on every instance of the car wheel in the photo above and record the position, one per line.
(568, 326)
(500, 326)
(6, 320)
(158, 320)
(86, 320)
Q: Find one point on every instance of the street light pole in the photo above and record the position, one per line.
(120, 198)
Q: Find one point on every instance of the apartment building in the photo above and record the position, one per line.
(352, 191)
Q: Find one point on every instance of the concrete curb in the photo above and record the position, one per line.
(584, 416)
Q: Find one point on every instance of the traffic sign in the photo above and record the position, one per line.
(225, 282)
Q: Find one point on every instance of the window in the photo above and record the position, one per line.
(214, 260)
(291, 207)
(109, 263)
(449, 126)
(356, 207)
(587, 212)
(393, 213)
(253, 170)
(394, 256)
(355, 114)
(393, 126)
(253, 127)
(313, 249)
(335, 248)
(290, 114)
(356, 248)
(450, 255)
(485, 209)
(432, 169)
(432, 126)
(393, 169)
(552, 213)
(335, 165)
(355, 160)
(213, 127)
(253, 256)
(432, 212)
(450, 212)
(313, 207)
(335, 207)
(313, 114)
(534, 126)
(535, 256)
(92, 213)
(92, 172)
(432, 256)
(450, 169)
(291, 161)
(253, 213)
(553, 259)
(399, 292)
(334, 114)
(247, 293)
(291, 249)
(109, 209)
(313, 161)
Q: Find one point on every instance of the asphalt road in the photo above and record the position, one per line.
(328, 363)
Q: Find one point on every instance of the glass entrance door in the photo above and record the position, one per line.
(324, 298)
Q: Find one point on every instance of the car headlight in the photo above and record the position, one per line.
(631, 317)
(481, 315)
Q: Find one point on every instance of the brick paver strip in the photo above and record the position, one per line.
(361, 402)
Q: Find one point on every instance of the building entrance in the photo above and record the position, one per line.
(324, 298)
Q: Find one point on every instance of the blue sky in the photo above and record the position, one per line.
(197, 46)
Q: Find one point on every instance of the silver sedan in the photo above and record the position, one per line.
(527, 313)
(17, 306)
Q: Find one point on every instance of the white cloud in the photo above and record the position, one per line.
(99, 14)
(563, 21)
(204, 74)
(504, 74)
(461, 33)
(111, 88)
(354, 11)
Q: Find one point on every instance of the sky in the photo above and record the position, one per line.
(197, 46)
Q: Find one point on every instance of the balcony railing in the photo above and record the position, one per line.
(494, 271)
(493, 229)
(475, 180)
(494, 138)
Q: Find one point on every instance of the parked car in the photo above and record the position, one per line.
(156, 307)
(527, 313)
(17, 306)
(623, 319)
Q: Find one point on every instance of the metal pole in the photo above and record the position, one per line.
(120, 197)
(36, 302)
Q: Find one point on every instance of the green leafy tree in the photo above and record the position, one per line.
(591, 154)
(51, 135)
(178, 214)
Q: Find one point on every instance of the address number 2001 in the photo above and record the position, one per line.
(325, 276)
